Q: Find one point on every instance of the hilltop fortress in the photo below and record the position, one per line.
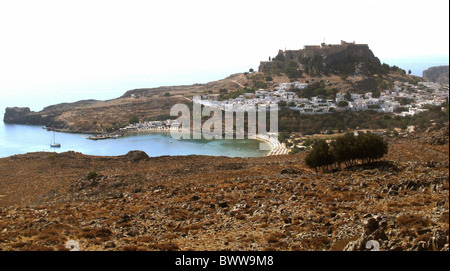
(322, 56)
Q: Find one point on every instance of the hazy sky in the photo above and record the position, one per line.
(119, 45)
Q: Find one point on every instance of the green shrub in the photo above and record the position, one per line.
(92, 175)
(133, 120)
(347, 150)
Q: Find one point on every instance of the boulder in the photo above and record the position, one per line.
(136, 156)
(371, 225)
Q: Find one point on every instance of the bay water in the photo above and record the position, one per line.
(20, 139)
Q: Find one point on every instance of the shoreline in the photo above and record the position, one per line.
(276, 148)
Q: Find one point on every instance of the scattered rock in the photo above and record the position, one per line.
(188, 204)
(370, 225)
(291, 171)
(109, 244)
(223, 204)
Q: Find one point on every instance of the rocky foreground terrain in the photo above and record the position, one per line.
(134, 202)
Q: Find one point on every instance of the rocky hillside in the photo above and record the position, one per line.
(437, 74)
(134, 202)
(345, 58)
(92, 116)
(345, 67)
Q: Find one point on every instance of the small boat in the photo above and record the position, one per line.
(53, 144)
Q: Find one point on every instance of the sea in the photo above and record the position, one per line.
(416, 64)
(20, 139)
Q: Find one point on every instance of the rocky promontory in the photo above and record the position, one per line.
(23, 115)
(17, 115)
(93, 116)
(438, 74)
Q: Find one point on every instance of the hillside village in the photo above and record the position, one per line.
(353, 62)
(349, 74)
(404, 99)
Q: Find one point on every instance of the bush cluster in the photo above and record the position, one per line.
(347, 150)
(293, 121)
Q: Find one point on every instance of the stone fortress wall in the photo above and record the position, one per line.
(331, 52)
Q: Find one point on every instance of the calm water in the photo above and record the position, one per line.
(20, 139)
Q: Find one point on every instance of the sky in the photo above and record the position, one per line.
(112, 46)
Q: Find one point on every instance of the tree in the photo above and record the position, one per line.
(385, 68)
(345, 149)
(259, 84)
(368, 147)
(133, 120)
(320, 156)
(342, 104)
(282, 103)
(348, 96)
(409, 71)
(371, 147)
(251, 70)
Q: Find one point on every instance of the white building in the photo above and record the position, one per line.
(287, 86)
(356, 96)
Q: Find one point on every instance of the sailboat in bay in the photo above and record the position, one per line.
(53, 144)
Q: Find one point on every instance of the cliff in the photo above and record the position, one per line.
(23, 115)
(325, 58)
(51, 116)
(438, 74)
(16, 114)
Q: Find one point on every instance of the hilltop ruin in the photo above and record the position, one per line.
(322, 58)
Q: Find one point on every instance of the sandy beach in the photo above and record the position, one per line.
(277, 148)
